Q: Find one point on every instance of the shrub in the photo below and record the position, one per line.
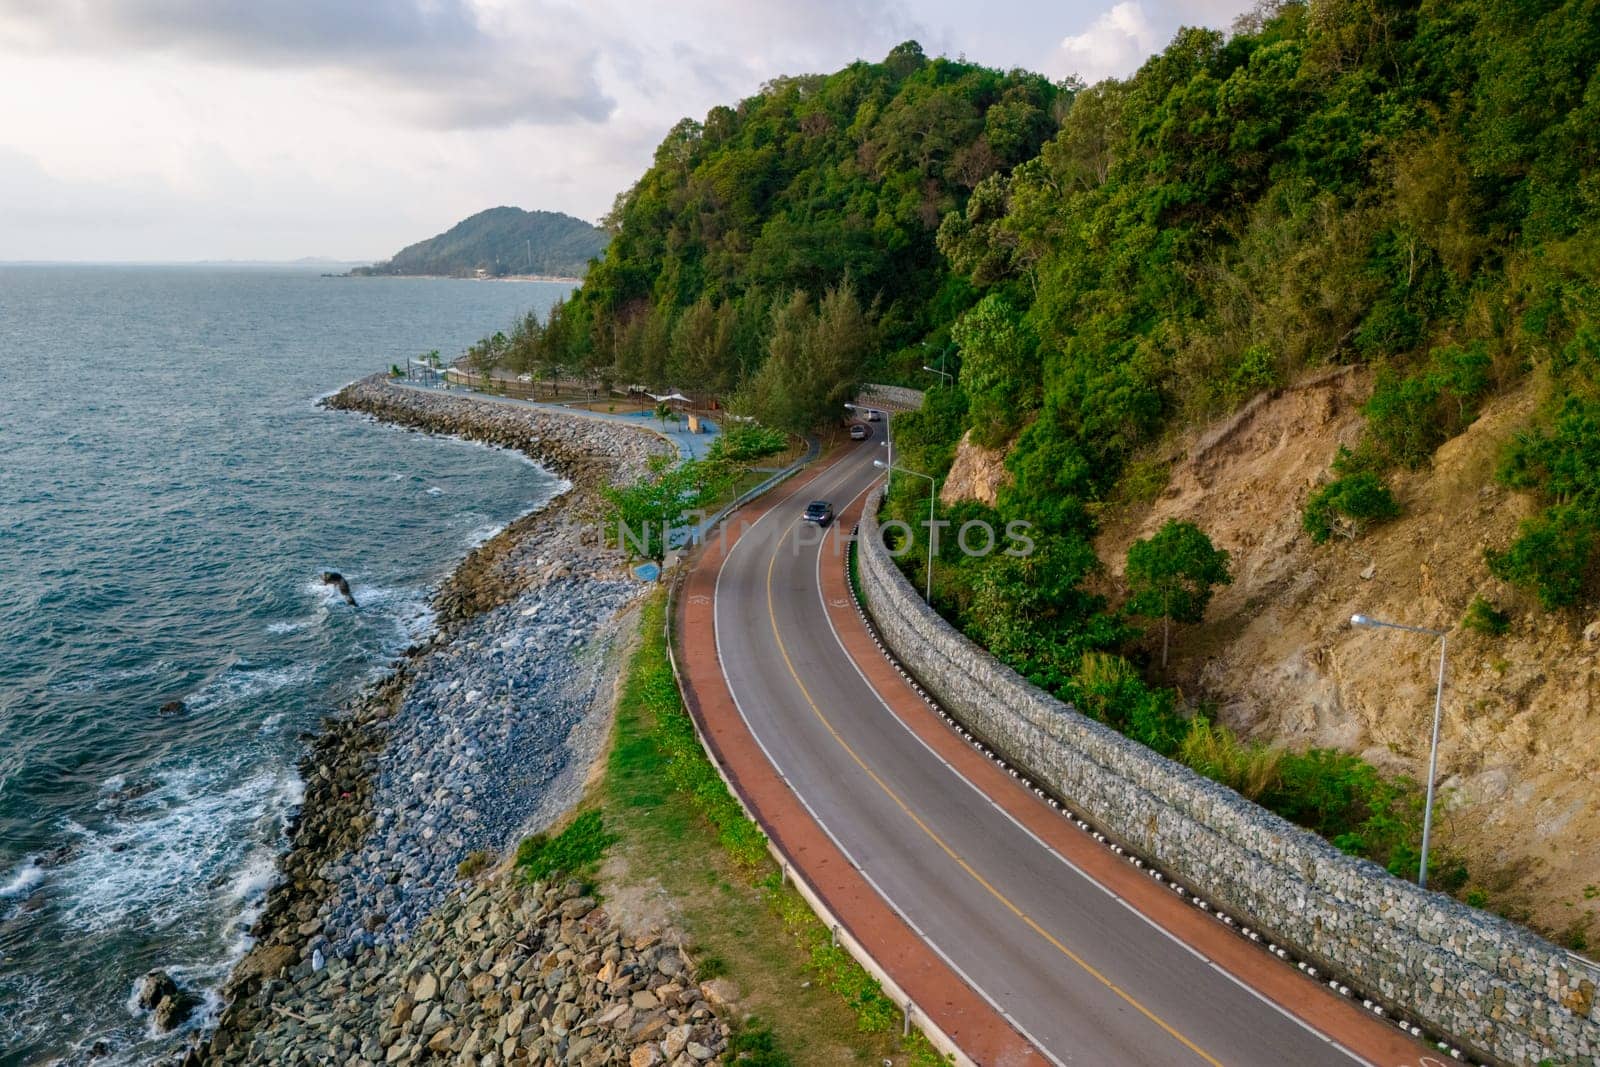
(475, 863)
(1345, 799)
(1257, 370)
(746, 442)
(1551, 556)
(1482, 617)
(1248, 768)
(1348, 506)
(1553, 553)
(1409, 416)
(754, 1045)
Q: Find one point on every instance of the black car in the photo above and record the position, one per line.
(819, 512)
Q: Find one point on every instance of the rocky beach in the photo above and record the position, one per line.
(396, 931)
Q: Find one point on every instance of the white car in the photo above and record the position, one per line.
(858, 432)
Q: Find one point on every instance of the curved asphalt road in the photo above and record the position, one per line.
(1022, 925)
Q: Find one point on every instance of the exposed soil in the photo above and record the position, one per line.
(1520, 747)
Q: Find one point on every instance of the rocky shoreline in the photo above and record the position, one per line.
(378, 944)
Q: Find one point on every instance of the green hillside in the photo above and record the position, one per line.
(502, 241)
(726, 249)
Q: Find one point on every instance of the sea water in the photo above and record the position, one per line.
(169, 495)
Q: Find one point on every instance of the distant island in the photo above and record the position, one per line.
(498, 243)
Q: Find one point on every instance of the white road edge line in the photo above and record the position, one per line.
(716, 605)
(1048, 848)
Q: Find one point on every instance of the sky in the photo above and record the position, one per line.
(177, 130)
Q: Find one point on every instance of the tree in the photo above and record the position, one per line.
(813, 362)
(1171, 576)
(488, 354)
(997, 351)
(643, 514)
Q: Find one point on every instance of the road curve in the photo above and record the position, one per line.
(1088, 962)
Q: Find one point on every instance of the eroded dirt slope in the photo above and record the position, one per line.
(1520, 752)
(1520, 749)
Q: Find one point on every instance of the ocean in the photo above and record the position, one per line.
(169, 495)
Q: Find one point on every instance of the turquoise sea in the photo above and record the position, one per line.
(169, 493)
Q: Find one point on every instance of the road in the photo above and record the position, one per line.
(1085, 977)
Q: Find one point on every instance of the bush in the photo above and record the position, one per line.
(1256, 371)
(1551, 555)
(475, 863)
(1409, 416)
(1345, 799)
(754, 1045)
(1482, 617)
(1348, 506)
(1248, 768)
(746, 442)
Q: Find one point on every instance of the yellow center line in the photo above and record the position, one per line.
(1086, 966)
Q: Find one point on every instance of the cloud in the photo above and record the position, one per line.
(448, 63)
(1113, 45)
(277, 128)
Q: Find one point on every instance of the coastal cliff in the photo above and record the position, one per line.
(378, 943)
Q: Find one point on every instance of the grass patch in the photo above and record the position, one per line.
(574, 850)
(1484, 618)
(807, 1002)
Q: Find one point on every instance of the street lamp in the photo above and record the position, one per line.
(935, 370)
(1366, 621)
(888, 432)
(933, 488)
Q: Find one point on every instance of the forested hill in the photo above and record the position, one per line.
(724, 250)
(502, 241)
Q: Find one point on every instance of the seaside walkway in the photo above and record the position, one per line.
(689, 445)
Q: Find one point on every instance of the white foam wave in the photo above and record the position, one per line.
(434, 490)
(161, 865)
(238, 684)
(481, 534)
(23, 879)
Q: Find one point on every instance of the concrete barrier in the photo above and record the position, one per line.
(1498, 989)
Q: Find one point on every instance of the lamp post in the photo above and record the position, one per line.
(888, 434)
(1368, 622)
(933, 488)
(939, 370)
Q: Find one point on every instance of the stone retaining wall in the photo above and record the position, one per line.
(1484, 981)
(896, 397)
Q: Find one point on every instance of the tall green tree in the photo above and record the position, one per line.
(812, 366)
(1172, 574)
(997, 352)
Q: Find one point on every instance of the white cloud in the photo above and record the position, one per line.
(191, 129)
(1116, 42)
(1113, 45)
